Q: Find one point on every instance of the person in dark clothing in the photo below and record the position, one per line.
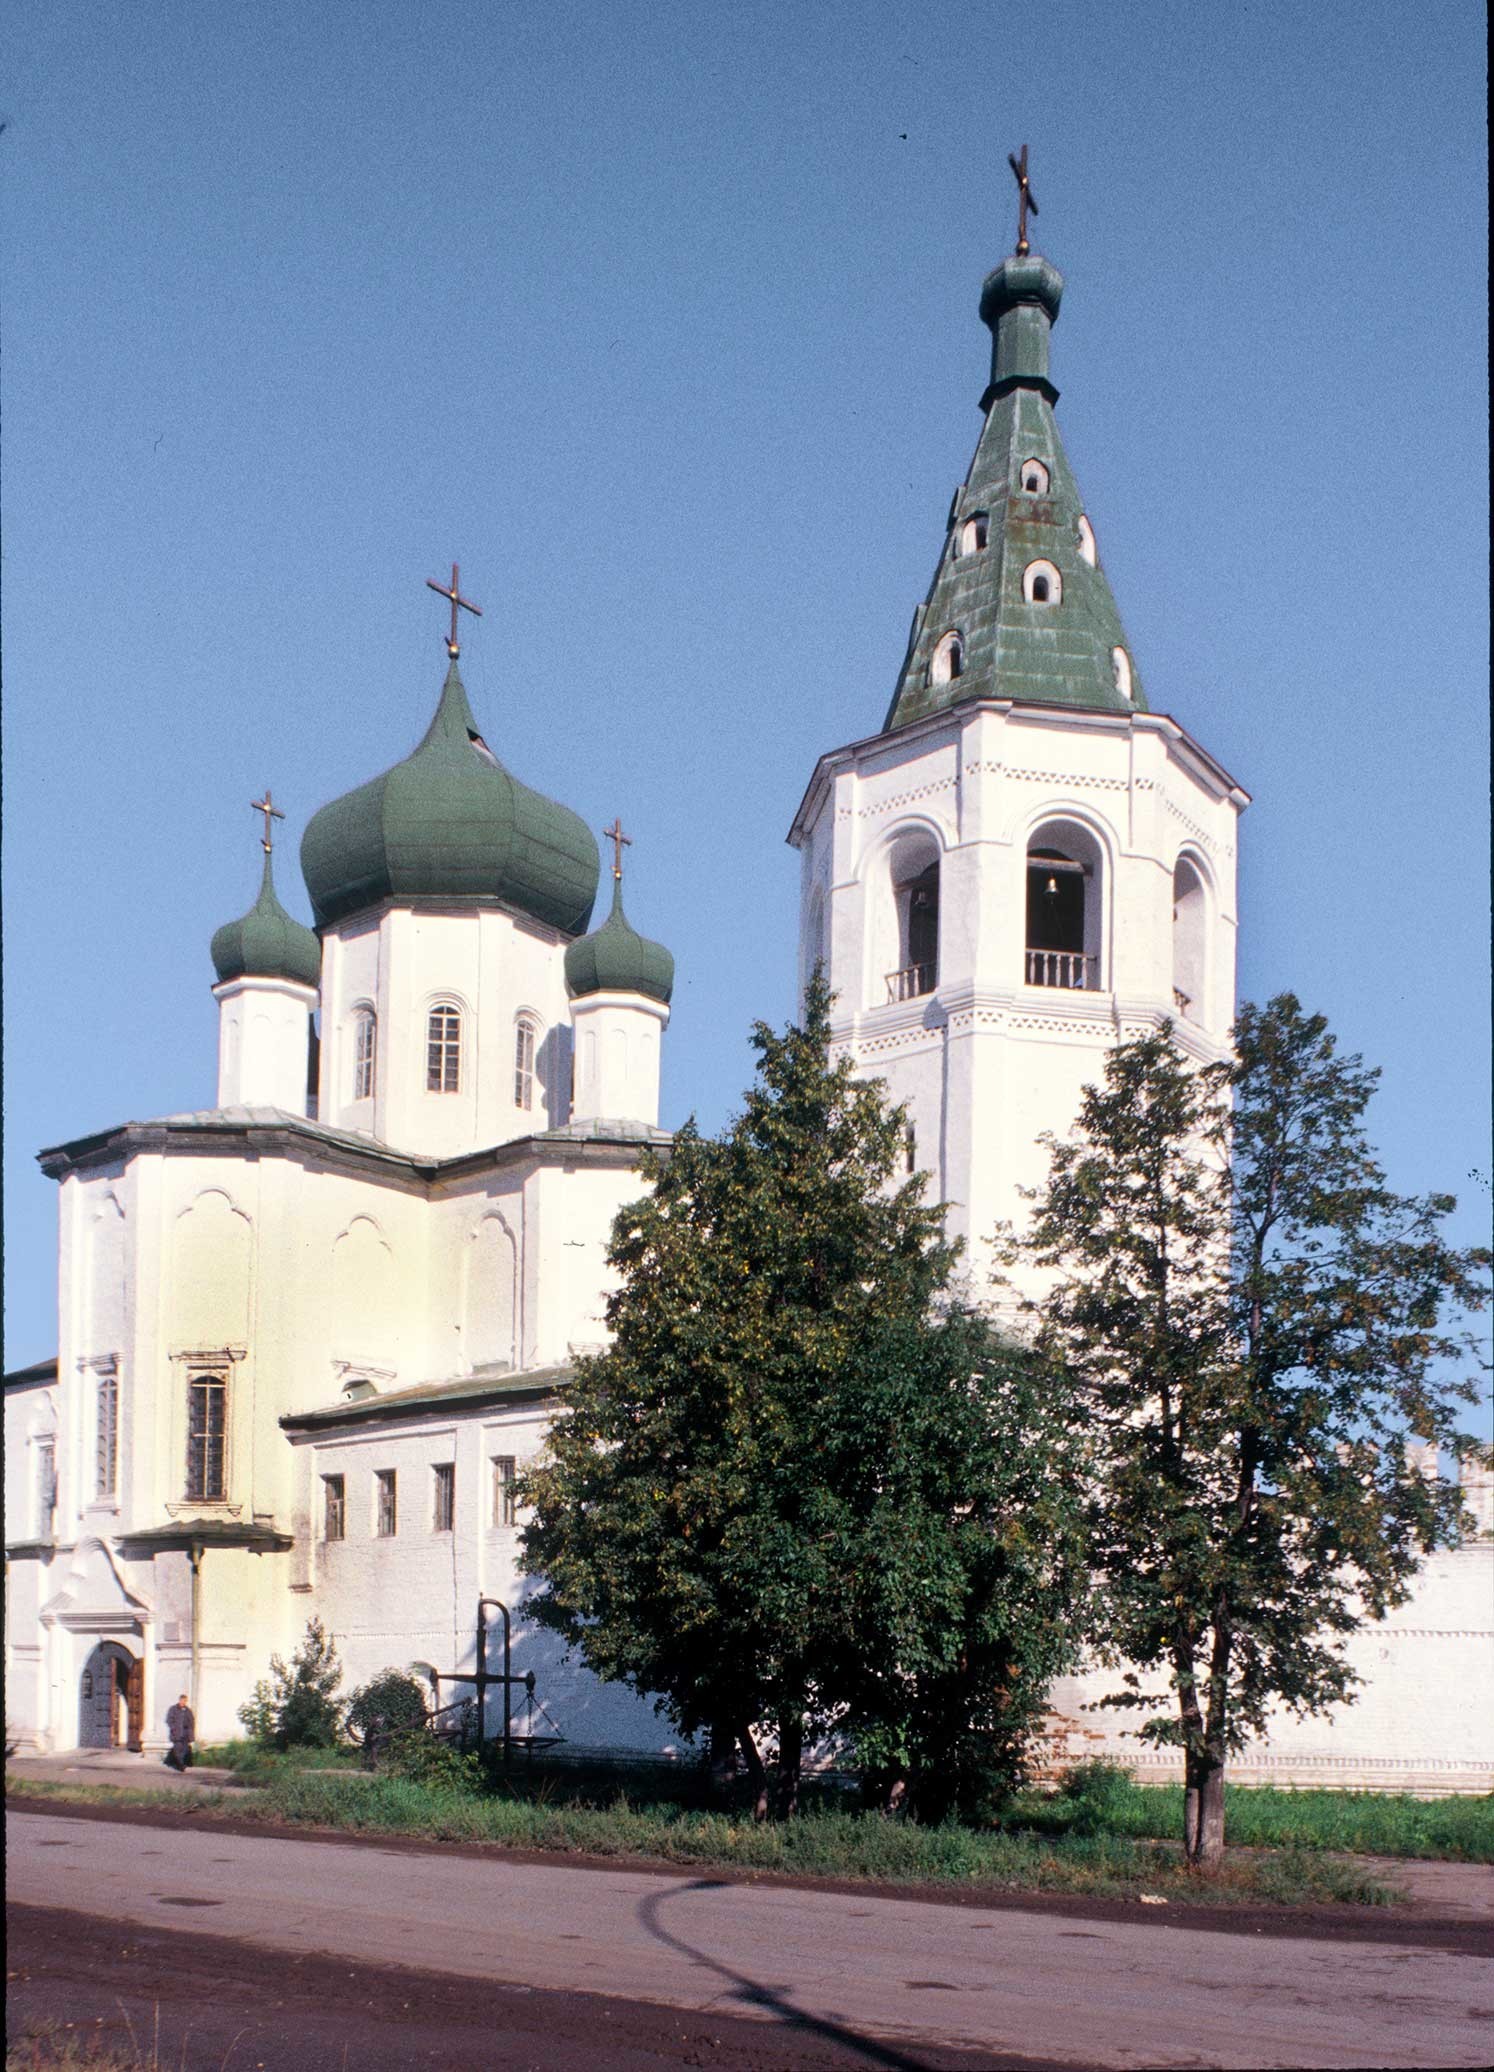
(181, 1726)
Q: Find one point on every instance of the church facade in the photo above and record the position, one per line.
(309, 1338)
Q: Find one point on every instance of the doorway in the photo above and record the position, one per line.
(111, 1698)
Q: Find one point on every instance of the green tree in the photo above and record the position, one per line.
(296, 1707)
(1256, 1325)
(954, 1500)
(686, 1521)
(393, 1702)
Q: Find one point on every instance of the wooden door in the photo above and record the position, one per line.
(135, 1703)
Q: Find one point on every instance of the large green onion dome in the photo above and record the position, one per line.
(451, 822)
(267, 942)
(617, 959)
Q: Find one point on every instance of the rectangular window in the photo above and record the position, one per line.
(46, 1487)
(334, 1507)
(444, 1488)
(365, 1040)
(505, 1477)
(443, 1051)
(524, 1065)
(207, 1428)
(107, 1435)
(386, 1504)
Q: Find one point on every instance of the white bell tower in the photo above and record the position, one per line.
(1026, 864)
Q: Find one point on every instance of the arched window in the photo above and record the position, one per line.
(1120, 662)
(974, 533)
(1035, 478)
(1189, 916)
(365, 1052)
(524, 1041)
(443, 1051)
(1063, 908)
(1041, 583)
(948, 660)
(914, 873)
(1088, 552)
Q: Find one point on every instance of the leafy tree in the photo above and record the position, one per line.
(1256, 1325)
(296, 1707)
(393, 1702)
(953, 1498)
(691, 1541)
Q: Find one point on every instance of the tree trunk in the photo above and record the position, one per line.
(790, 1763)
(721, 1761)
(1203, 1809)
(757, 1775)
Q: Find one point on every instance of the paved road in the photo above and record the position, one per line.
(1099, 1993)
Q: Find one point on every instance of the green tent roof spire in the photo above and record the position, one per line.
(1019, 606)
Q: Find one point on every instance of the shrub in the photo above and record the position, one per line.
(392, 1702)
(417, 1756)
(296, 1706)
(1096, 1789)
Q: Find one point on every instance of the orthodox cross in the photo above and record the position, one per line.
(452, 591)
(271, 811)
(619, 842)
(1026, 200)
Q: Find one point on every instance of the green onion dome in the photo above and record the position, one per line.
(267, 943)
(615, 958)
(451, 822)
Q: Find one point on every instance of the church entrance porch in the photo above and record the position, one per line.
(111, 1698)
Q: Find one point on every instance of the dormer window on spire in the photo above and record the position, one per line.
(1041, 583)
(972, 535)
(948, 659)
(1035, 478)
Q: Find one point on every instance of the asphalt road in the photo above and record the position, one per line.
(874, 1979)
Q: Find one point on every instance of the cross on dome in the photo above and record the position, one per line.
(271, 811)
(1026, 200)
(619, 842)
(452, 591)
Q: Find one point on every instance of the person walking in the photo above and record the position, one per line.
(181, 1726)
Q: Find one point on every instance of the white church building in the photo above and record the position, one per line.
(308, 1338)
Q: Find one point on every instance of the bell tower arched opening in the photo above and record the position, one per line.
(1189, 940)
(1064, 875)
(913, 870)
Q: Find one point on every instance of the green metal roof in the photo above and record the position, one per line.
(451, 821)
(1057, 653)
(267, 943)
(484, 1385)
(615, 958)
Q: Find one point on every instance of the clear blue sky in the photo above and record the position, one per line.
(661, 319)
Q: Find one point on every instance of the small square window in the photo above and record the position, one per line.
(443, 1479)
(334, 1507)
(386, 1504)
(505, 1489)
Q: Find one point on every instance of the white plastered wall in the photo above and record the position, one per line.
(616, 1038)
(263, 1026)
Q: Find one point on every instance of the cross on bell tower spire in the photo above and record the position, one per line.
(271, 811)
(452, 590)
(1026, 200)
(619, 841)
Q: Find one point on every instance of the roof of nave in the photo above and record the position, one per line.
(483, 1385)
(260, 1131)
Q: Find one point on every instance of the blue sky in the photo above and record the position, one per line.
(662, 321)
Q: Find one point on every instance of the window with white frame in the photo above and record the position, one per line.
(334, 1507)
(1041, 583)
(443, 1496)
(505, 1489)
(1088, 552)
(948, 659)
(46, 1487)
(1120, 662)
(106, 1432)
(443, 1051)
(207, 1438)
(386, 1503)
(524, 1042)
(365, 1052)
(973, 533)
(1035, 478)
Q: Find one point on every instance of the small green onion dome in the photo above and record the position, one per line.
(451, 822)
(615, 958)
(267, 943)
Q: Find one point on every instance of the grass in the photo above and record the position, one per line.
(818, 1844)
(1261, 1816)
(248, 1759)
